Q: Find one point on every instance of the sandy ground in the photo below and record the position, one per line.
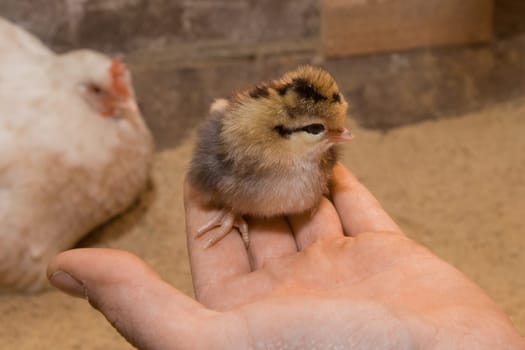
(457, 186)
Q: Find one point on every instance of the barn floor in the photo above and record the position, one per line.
(455, 185)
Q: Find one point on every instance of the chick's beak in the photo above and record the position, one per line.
(337, 136)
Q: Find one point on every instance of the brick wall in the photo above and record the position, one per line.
(125, 25)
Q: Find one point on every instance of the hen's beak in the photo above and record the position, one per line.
(339, 136)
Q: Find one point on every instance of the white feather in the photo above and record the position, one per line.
(64, 168)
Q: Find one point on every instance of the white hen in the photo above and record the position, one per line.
(74, 151)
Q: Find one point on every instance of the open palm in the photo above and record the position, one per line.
(344, 277)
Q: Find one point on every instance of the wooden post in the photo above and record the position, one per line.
(350, 27)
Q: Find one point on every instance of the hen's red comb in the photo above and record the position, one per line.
(118, 72)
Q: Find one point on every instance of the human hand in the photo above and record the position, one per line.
(301, 284)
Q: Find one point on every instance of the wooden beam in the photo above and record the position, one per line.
(350, 27)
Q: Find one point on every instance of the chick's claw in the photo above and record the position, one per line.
(242, 227)
(222, 224)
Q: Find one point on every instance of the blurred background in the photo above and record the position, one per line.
(435, 90)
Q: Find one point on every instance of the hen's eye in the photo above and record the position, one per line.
(95, 89)
(313, 129)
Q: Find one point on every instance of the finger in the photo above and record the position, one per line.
(359, 211)
(211, 266)
(130, 295)
(322, 224)
(269, 239)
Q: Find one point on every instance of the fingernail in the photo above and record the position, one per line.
(68, 284)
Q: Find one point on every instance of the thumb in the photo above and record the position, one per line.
(147, 311)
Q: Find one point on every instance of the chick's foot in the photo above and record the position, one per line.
(222, 224)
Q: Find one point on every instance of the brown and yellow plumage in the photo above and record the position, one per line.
(269, 150)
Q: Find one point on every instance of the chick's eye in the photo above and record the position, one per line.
(283, 131)
(313, 128)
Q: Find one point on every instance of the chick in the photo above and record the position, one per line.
(269, 151)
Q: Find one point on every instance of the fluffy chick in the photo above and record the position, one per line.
(269, 151)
